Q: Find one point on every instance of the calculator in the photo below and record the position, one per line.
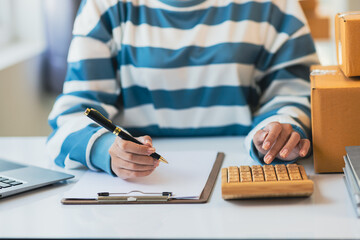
(266, 181)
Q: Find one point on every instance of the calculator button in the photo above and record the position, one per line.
(256, 167)
(270, 178)
(283, 177)
(257, 172)
(269, 173)
(233, 174)
(245, 174)
(295, 177)
(281, 172)
(244, 169)
(258, 179)
(292, 165)
(303, 173)
(294, 172)
(269, 168)
(246, 180)
(245, 177)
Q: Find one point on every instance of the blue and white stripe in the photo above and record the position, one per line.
(183, 68)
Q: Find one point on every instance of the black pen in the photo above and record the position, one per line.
(106, 123)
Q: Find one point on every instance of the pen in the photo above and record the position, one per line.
(107, 124)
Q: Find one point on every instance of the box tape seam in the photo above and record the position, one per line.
(316, 72)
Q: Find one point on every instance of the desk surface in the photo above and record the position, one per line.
(328, 213)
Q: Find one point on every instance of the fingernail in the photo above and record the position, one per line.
(283, 153)
(268, 159)
(302, 153)
(266, 145)
(156, 163)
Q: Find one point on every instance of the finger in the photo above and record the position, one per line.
(125, 174)
(130, 165)
(259, 137)
(157, 163)
(304, 147)
(147, 140)
(291, 143)
(274, 129)
(135, 158)
(280, 142)
(135, 148)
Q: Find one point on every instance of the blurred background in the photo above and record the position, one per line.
(34, 40)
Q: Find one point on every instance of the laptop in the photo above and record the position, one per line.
(16, 177)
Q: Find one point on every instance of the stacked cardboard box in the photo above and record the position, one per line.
(347, 33)
(335, 98)
(335, 101)
(309, 6)
(319, 25)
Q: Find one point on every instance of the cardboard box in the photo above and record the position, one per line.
(335, 101)
(308, 6)
(319, 26)
(347, 34)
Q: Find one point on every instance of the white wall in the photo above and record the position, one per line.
(354, 5)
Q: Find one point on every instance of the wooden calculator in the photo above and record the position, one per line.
(265, 181)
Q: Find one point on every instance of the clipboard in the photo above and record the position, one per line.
(162, 199)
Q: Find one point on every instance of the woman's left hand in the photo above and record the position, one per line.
(279, 140)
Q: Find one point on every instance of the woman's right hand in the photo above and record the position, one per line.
(131, 160)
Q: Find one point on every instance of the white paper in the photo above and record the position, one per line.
(185, 176)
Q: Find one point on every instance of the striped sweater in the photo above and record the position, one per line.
(170, 68)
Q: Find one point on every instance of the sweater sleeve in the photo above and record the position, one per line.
(90, 82)
(283, 82)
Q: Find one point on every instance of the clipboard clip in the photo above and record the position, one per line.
(134, 196)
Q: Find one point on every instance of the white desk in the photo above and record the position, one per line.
(328, 213)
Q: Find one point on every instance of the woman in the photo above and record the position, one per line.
(184, 68)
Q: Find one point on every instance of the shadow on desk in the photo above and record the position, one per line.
(270, 201)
